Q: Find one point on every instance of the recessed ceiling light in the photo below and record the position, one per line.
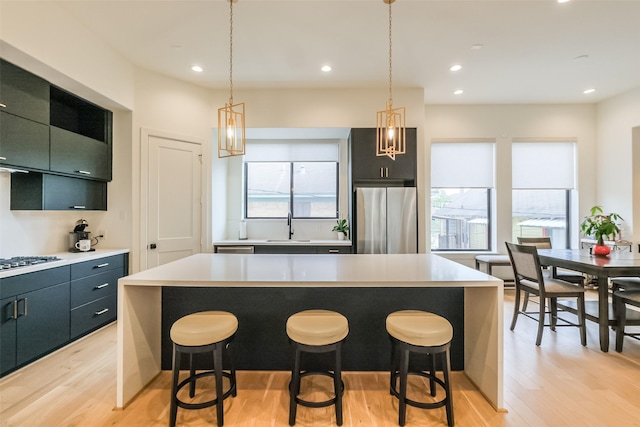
(458, 92)
(588, 91)
(563, 1)
(197, 68)
(326, 68)
(456, 67)
(477, 46)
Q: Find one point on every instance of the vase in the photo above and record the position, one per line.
(600, 249)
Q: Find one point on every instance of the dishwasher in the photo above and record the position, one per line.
(234, 249)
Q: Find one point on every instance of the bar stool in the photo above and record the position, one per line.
(316, 331)
(415, 331)
(203, 332)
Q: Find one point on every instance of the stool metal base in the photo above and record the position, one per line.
(297, 375)
(217, 350)
(402, 372)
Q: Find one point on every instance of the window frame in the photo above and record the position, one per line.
(291, 191)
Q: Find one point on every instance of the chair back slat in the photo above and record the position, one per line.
(538, 242)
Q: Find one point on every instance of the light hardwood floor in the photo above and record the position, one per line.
(559, 383)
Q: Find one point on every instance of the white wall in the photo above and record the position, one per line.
(502, 123)
(618, 159)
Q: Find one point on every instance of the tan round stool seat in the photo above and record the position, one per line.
(317, 327)
(206, 327)
(419, 328)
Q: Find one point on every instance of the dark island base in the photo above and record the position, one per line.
(261, 342)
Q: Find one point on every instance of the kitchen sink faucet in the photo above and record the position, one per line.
(290, 223)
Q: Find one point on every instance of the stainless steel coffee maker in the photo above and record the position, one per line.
(79, 233)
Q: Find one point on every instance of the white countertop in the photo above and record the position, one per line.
(282, 242)
(411, 270)
(66, 258)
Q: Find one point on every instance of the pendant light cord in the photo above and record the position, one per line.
(390, 52)
(230, 52)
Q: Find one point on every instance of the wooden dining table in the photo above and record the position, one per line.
(616, 264)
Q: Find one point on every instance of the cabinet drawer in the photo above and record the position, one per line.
(93, 315)
(28, 282)
(94, 287)
(334, 249)
(96, 266)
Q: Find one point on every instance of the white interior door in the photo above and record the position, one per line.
(174, 215)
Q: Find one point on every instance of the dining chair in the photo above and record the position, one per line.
(545, 243)
(527, 272)
(621, 298)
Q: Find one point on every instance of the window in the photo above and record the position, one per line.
(311, 188)
(543, 177)
(462, 178)
(297, 177)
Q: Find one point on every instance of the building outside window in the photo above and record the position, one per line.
(462, 180)
(283, 178)
(543, 180)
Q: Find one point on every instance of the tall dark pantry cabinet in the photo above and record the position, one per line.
(368, 171)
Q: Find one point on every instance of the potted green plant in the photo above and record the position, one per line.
(342, 228)
(600, 225)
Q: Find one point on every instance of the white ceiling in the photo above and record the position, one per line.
(528, 54)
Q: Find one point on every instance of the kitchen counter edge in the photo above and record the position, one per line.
(66, 258)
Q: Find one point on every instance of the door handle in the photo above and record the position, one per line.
(152, 246)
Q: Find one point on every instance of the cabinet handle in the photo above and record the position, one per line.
(334, 251)
(78, 207)
(84, 172)
(386, 172)
(104, 285)
(2, 105)
(101, 265)
(101, 312)
(15, 309)
(26, 306)
(3, 158)
(381, 173)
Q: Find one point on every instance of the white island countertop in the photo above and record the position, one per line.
(354, 270)
(140, 302)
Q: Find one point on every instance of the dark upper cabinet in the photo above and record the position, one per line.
(23, 94)
(35, 191)
(81, 137)
(367, 167)
(23, 143)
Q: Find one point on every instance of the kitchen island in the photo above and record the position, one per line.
(348, 283)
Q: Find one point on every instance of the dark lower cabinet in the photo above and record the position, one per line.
(43, 322)
(44, 310)
(299, 249)
(36, 191)
(94, 287)
(8, 334)
(35, 316)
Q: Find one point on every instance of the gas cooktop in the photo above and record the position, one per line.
(24, 261)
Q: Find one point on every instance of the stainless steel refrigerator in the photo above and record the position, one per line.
(386, 220)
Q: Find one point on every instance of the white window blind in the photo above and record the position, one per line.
(462, 165)
(292, 151)
(543, 165)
